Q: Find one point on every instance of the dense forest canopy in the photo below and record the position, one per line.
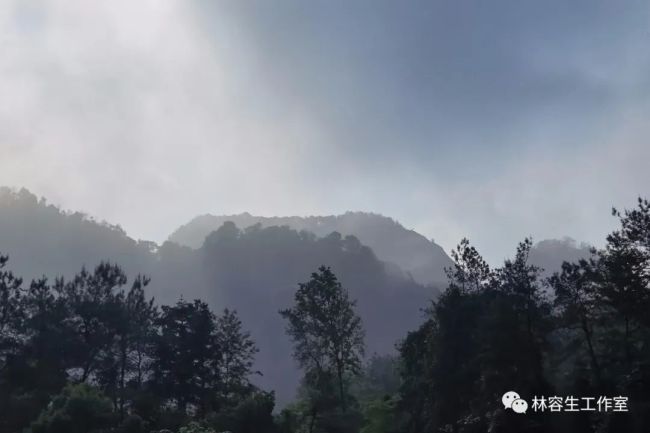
(243, 266)
(100, 351)
(235, 268)
(324, 216)
(412, 252)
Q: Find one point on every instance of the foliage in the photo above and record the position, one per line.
(494, 330)
(195, 427)
(201, 360)
(328, 344)
(236, 353)
(150, 366)
(252, 414)
(94, 354)
(381, 416)
(327, 333)
(78, 409)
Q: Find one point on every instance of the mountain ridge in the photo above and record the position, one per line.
(422, 258)
(252, 269)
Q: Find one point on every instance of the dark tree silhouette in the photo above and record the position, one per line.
(326, 332)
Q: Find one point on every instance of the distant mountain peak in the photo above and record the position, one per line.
(391, 241)
(548, 254)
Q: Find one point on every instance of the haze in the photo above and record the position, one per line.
(492, 120)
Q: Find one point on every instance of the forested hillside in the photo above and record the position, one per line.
(423, 259)
(45, 240)
(253, 271)
(139, 337)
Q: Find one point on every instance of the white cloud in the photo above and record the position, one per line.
(138, 113)
(125, 110)
(568, 192)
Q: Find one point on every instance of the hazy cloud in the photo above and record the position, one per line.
(489, 119)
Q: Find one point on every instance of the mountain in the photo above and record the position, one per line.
(252, 264)
(257, 270)
(550, 253)
(254, 270)
(44, 240)
(423, 259)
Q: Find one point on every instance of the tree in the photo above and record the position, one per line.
(380, 416)
(195, 427)
(251, 414)
(470, 272)
(484, 335)
(417, 391)
(10, 312)
(519, 279)
(11, 343)
(326, 331)
(625, 272)
(93, 302)
(39, 368)
(577, 304)
(450, 338)
(200, 359)
(184, 355)
(440, 361)
(635, 225)
(520, 317)
(624, 297)
(90, 330)
(236, 354)
(134, 334)
(78, 409)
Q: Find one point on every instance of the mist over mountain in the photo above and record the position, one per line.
(423, 259)
(413, 253)
(44, 240)
(253, 264)
(254, 270)
(550, 253)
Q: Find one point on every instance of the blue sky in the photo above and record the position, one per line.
(492, 120)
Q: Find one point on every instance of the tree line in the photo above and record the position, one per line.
(94, 354)
(584, 331)
(113, 358)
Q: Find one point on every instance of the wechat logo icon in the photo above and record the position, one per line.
(512, 400)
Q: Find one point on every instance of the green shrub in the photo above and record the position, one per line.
(77, 409)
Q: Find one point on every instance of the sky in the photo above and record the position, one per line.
(488, 120)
